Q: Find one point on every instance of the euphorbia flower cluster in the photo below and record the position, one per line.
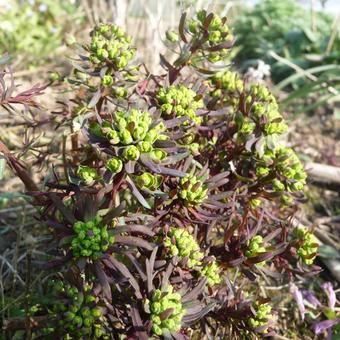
(307, 245)
(172, 193)
(179, 101)
(182, 244)
(92, 238)
(78, 313)
(110, 46)
(160, 303)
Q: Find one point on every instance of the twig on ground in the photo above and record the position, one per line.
(324, 175)
(18, 323)
(15, 273)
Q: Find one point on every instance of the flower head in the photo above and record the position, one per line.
(109, 45)
(86, 174)
(182, 244)
(135, 133)
(91, 239)
(78, 314)
(214, 35)
(180, 101)
(166, 311)
(308, 245)
(212, 272)
(192, 190)
(262, 315)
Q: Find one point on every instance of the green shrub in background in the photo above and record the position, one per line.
(33, 30)
(289, 30)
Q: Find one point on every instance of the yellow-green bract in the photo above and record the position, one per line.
(135, 132)
(192, 190)
(180, 101)
(212, 272)
(86, 174)
(162, 301)
(182, 244)
(262, 316)
(79, 315)
(91, 239)
(308, 245)
(110, 45)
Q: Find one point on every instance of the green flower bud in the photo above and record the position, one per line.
(69, 316)
(122, 63)
(193, 26)
(157, 330)
(98, 332)
(248, 127)
(151, 136)
(194, 148)
(94, 59)
(256, 247)
(107, 80)
(78, 321)
(215, 36)
(86, 174)
(144, 147)
(156, 308)
(120, 92)
(147, 180)
(167, 108)
(131, 153)
(112, 135)
(297, 186)
(308, 245)
(211, 272)
(115, 165)
(121, 122)
(214, 57)
(262, 316)
(172, 36)
(158, 154)
(103, 28)
(201, 15)
(192, 190)
(288, 172)
(262, 171)
(125, 137)
(273, 128)
(102, 54)
(217, 93)
(184, 246)
(255, 202)
(300, 175)
(87, 322)
(139, 132)
(159, 304)
(278, 186)
(286, 200)
(96, 312)
(113, 53)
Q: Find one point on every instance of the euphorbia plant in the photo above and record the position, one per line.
(173, 184)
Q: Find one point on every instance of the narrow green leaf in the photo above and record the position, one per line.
(312, 70)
